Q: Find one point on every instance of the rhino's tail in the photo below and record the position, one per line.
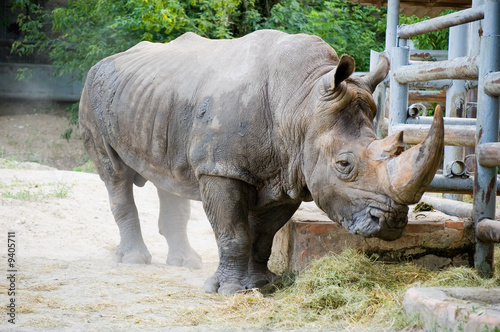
(118, 164)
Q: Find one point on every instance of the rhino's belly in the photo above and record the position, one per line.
(177, 179)
(178, 186)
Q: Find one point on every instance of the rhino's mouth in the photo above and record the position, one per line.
(373, 221)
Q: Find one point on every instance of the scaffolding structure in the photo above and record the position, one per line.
(473, 62)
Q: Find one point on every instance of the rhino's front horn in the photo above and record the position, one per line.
(413, 170)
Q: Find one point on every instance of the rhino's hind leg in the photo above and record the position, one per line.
(172, 223)
(119, 180)
(132, 248)
(264, 225)
(226, 203)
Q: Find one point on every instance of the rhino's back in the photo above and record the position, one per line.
(198, 106)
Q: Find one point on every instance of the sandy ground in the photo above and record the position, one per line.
(66, 278)
(33, 132)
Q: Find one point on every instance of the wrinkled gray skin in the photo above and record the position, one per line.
(251, 127)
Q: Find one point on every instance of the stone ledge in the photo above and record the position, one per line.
(458, 309)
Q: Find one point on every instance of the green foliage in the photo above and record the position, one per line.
(348, 27)
(73, 111)
(32, 25)
(88, 167)
(84, 32)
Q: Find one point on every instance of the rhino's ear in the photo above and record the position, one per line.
(344, 69)
(376, 76)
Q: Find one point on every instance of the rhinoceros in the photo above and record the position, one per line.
(252, 127)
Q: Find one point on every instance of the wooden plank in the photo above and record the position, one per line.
(455, 135)
(427, 96)
(489, 154)
(488, 231)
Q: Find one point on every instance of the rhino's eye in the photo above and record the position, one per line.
(345, 164)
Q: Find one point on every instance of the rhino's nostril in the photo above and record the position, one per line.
(376, 215)
(385, 225)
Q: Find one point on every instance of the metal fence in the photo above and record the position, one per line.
(473, 61)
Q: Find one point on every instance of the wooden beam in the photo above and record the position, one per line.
(489, 154)
(488, 230)
(427, 96)
(455, 135)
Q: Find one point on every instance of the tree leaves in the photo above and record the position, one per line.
(85, 31)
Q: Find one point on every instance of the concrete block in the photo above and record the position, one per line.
(455, 309)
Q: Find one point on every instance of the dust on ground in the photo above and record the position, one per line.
(65, 238)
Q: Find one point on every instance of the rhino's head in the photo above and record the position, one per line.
(363, 182)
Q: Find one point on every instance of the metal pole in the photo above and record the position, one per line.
(485, 180)
(443, 184)
(455, 98)
(474, 39)
(392, 24)
(379, 94)
(475, 31)
(400, 56)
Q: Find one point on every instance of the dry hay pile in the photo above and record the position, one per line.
(344, 292)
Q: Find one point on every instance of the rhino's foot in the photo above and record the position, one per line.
(260, 280)
(191, 259)
(139, 256)
(225, 286)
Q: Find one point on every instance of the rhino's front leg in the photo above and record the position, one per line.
(172, 223)
(226, 204)
(264, 225)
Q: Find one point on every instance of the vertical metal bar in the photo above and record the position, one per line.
(392, 24)
(486, 131)
(475, 31)
(400, 56)
(390, 42)
(456, 96)
(474, 43)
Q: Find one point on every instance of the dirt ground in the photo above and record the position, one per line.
(65, 236)
(32, 131)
